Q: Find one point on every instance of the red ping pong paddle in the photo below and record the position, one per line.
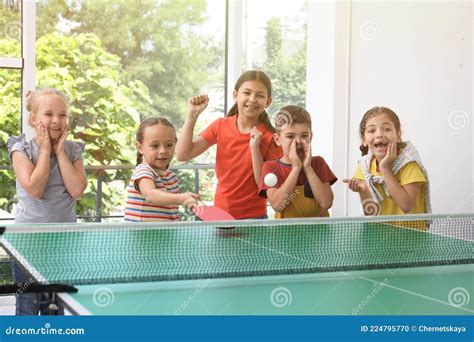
(211, 213)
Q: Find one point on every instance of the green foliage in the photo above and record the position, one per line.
(286, 69)
(274, 38)
(10, 107)
(105, 111)
(157, 41)
(136, 46)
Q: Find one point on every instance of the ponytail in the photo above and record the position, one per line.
(364, 149)
(265, 119)
(139, 158)
(233, 110)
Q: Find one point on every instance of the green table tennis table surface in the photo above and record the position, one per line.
(437, 290)
(302, 269)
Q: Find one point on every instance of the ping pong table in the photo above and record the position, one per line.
(374, 266)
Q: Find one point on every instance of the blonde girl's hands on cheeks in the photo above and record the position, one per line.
(390, 156)
(196, 105)
(356, 185)
(58, 146)
(255, 138)
(42, 138)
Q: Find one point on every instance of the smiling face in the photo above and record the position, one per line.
(158, 145)
(52, 113)
(379, 132)
(252, 99)
(299, 132)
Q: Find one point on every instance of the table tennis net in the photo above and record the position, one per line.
(134, 252)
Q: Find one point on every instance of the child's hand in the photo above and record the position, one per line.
(307, 155)
(356, 185)
(58, 146)
(390, 156)
(293, 155)
(189, 199)
(196, 105)
(42, 138)
(255, 138)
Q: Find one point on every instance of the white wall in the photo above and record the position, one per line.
(416, 58)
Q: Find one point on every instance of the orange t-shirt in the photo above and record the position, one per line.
(237, 191)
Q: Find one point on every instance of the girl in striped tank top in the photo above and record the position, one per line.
(152, 194)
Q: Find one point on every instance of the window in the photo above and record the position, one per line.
(10, 28)
(121, 64)
(274, 40)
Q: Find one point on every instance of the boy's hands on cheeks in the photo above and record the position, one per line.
(58, 145)
(390, 156)
(197, 104)
(307, 155)
(42, 138)
(255, 138)
(293, 156)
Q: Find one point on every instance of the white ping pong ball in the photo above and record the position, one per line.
(270, 179)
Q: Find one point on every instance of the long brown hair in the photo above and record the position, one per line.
(260, 76)
(147, 123)
(371, 113)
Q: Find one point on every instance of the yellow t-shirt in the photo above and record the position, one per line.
(410, 173)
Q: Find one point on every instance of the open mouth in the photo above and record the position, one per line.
(300, 151)
(381, 147)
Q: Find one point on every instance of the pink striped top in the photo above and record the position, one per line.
(137, 209)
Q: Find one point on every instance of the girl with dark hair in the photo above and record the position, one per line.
(390, 178)
(152, 194)
(244, 141)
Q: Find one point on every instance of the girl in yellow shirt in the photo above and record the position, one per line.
(390, 178)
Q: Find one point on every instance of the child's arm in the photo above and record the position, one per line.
(257, 159)
(360, 186)
(278, 197)
(73, 174)
(159, 197)
(34, 178)
(322, 192)
(403, 195)
(186, 148)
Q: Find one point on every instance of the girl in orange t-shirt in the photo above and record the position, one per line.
(244, 141)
